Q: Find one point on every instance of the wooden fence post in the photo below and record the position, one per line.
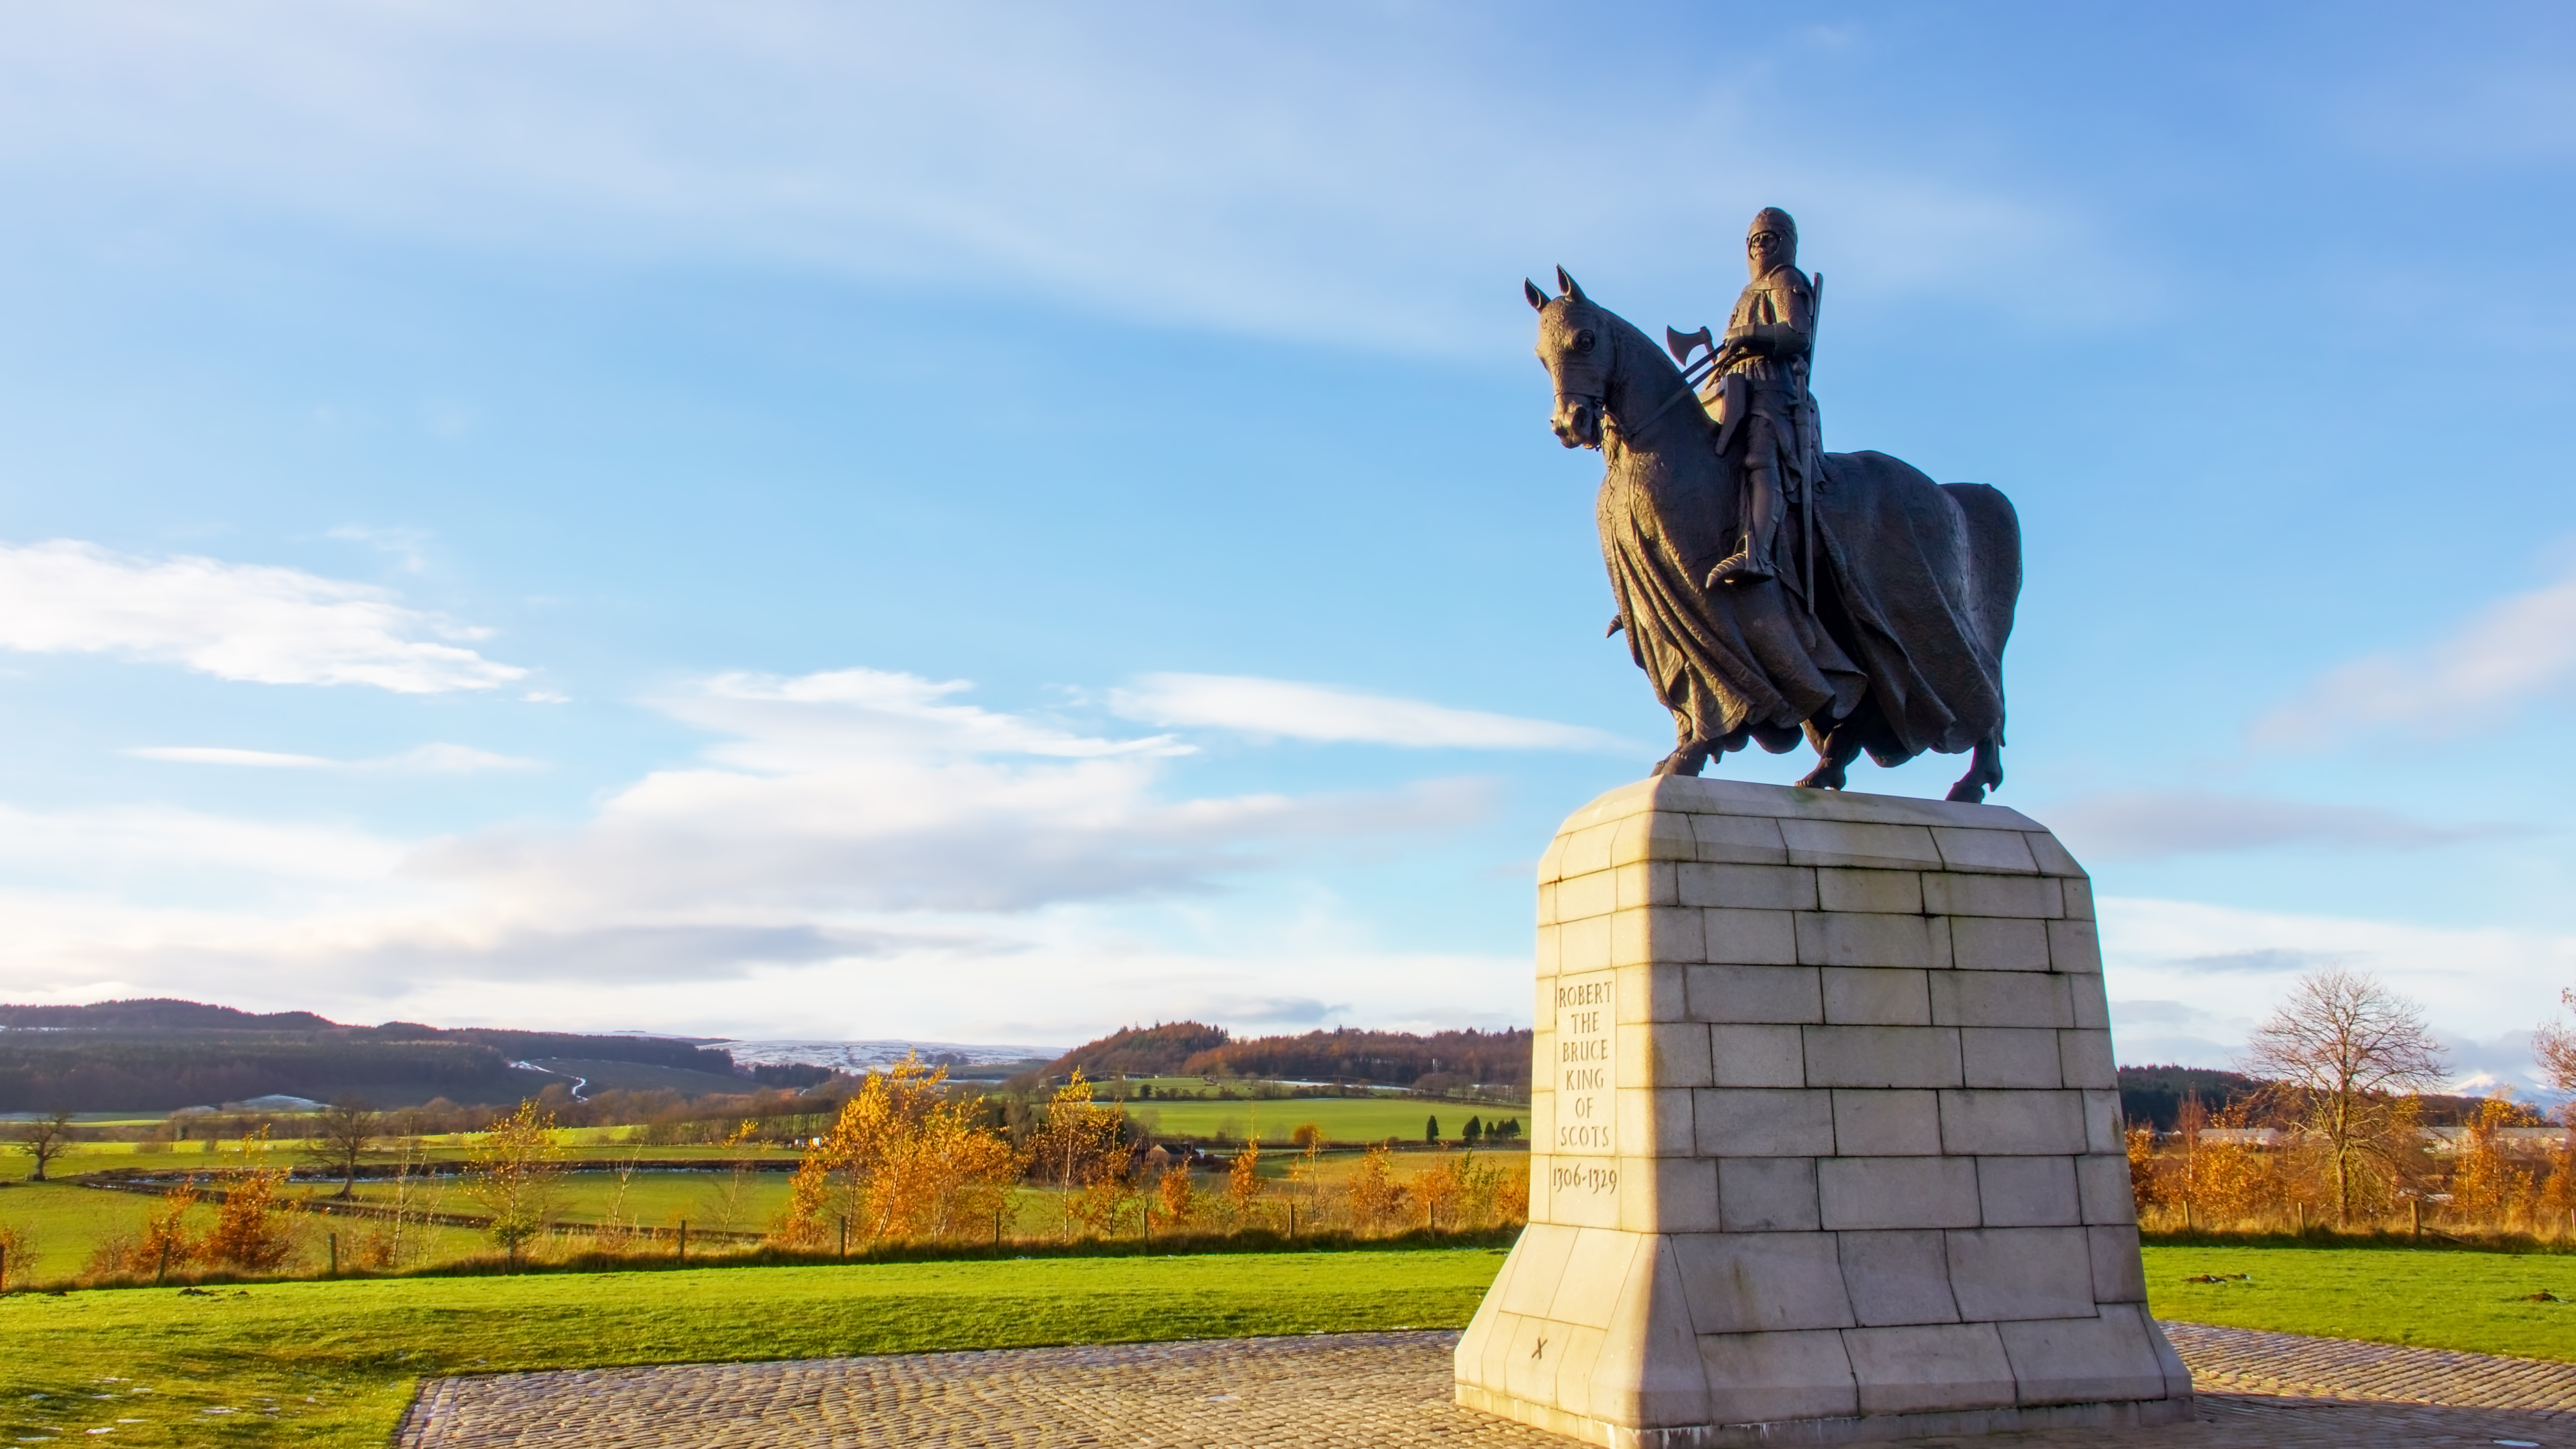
(845, 1235)
(684, 1240)
(335, 1255)
(2415, 1215)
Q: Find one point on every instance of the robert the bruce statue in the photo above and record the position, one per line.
(1768, 433)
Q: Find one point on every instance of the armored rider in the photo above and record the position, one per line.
(1758, 396)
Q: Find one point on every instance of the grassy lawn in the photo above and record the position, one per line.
(334, 1363)
(2480, 1302)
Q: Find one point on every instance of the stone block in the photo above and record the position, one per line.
(1584, 896)
(2102, 1187)
(2009, 1056)
(1596, 1272)
(1896, 1192)
(1528, 1373)
(1577, 1355)
(1650, 993)
(1674, 1053)
(1755, 993)
(1887, 1124)
(2074, 946)
(1875, 847)
(2049, 856)
(2003, 1273)
(2088, 1003)
(2084, 1060)
(2031, 896)
(1537, 1266)
(1748, 887)
(1655, 1122)
(1750, 938)
(1763, 1378)
(1767, 1195)
(1994, 851)
(1745, 1122)
(1883, 892)
(2079, 899)
(1762, 1282)
(2102, 1123)
(1852, 939)
(1897, 1278)
(2086, 1360)
(1669, 1195)
(1882, 1056)
(1586, 850)
(1655, 835)
(2028, 1192)
(1873, 996)
(2119, 1273)
(1998, 943)
(1646, 883)
(1756, 1056)
(1930, 1368)
(1978, 1123)
(1547, 952)
(1739, 839)
(2177, 1377)
(1656, 936)
(1583, 945)
(2001, 998)
(1647, 1373)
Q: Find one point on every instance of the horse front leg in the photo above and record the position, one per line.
(1985, 772)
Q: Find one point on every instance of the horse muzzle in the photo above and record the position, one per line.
(1577, 422)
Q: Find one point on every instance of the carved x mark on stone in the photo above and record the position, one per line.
(1539, 1350)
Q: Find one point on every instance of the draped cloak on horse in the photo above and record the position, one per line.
(1897, 647)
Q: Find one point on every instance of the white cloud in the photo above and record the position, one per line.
(2205, 974)
(2513, 651)
(856, 842)
(1283, 708)
(1212, 165)
(252, 622)
(435, 759)
(2147, 824)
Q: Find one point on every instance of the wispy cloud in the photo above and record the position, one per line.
(2148, 824)
(253, 622)
(2513, 651)
(1279, 708)
(431, 759)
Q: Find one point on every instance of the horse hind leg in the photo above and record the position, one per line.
(1985, 772)
(1834, 753)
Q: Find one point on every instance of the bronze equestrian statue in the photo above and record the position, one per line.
(1769, 588)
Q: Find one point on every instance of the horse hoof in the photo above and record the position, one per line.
(1969, 792)
(1822, 779)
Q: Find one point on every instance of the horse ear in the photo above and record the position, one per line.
(1571, 289)
(1538, 299)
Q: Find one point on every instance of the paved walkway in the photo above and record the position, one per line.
(1391, 1391)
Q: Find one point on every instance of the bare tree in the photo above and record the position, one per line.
(44, 1139)
(2345, 1047)
(2555, 1045)
(342, 1133)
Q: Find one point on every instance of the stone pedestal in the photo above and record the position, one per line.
(1825, 1136)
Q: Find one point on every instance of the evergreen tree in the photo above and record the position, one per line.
(1430, 1129)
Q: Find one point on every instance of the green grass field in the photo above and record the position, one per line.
(2481, 1302)
(334, 1363)
(1344, 1119)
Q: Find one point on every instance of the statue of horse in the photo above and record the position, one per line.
(1897, 646)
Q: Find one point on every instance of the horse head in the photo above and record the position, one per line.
(1575, 346)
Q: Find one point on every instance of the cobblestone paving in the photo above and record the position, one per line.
(2259, 1391)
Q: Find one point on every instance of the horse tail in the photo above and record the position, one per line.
(1994, 563)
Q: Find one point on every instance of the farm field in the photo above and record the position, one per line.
(2427, 1298)
(1344, 1119)
(334, 1363)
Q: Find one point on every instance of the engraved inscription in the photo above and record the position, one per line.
(1587, 1122)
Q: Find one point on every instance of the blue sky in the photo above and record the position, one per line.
(821, 520)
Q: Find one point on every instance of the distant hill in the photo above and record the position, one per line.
(1392, 1058)
(158, 1055)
